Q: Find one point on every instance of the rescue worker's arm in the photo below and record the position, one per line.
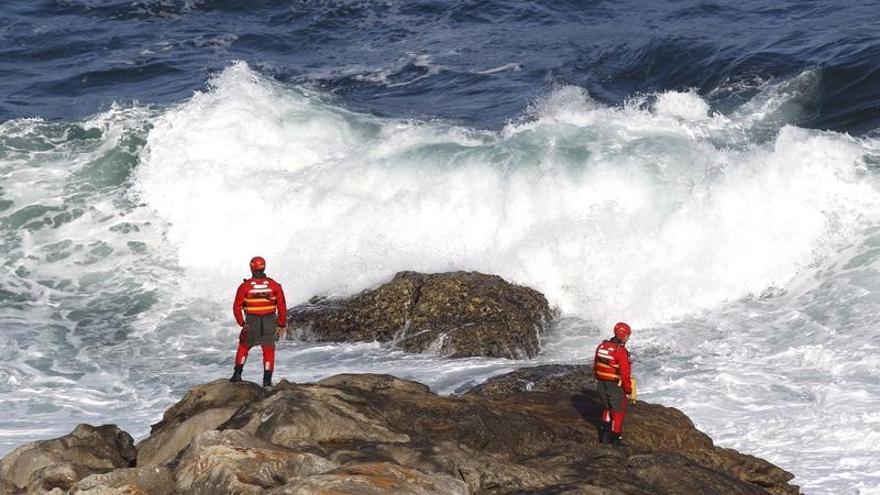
(281, 303)
(625, 376)
(237, 304)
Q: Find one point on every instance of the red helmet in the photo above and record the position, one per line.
(258, 264)
(622, 330)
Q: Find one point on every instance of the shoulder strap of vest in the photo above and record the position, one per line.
(618, 345)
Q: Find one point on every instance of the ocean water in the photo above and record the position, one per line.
(707, 173)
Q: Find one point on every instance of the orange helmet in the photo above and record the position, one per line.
(622, 330)
(258, 264)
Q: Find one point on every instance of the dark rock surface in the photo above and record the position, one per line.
(533, 431)
(375, 478)
(561, 378)
(455, 314)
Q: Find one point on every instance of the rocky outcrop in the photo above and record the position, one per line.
(47, 465)
(203, 408)
(532, 431)
(667, 433)
(454, 314)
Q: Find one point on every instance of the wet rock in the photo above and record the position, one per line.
(152, 480)
(607, 471)
(678, 475)
(455, 314)
(43, 466)
(567, 378)
(203, 408)
(752, 469)
(374, 383)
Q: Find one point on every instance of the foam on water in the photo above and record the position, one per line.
(743, 249)
(611, 212)
(80, 262)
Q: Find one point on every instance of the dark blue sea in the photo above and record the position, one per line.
(478, 63)
(707, 171)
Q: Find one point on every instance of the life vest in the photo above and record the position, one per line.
(260, 299)
(606, 365)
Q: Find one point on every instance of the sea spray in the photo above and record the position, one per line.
(633, 211)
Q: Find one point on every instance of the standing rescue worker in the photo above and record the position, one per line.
(261, 312)
(611, 367)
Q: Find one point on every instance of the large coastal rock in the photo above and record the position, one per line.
(47, 465)
(455, 314)
(505, 442)
(532, 431)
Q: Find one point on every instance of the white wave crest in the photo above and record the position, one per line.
(644, 214)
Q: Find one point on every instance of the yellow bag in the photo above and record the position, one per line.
(634, 393)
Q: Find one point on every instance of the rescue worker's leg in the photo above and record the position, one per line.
(617, 415)
(240, 355)
(605, 419)
(236, 372)
(614, 407)
(267, 342)
(246, 340)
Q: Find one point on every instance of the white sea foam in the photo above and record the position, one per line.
(509, 67)
(687, 106)
(609, 212)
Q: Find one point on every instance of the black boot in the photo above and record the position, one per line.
(617, 439)
(236, 375)
(604, 432)
(267, 379)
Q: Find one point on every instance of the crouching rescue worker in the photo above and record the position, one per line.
(261, 312)
(614, 382)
